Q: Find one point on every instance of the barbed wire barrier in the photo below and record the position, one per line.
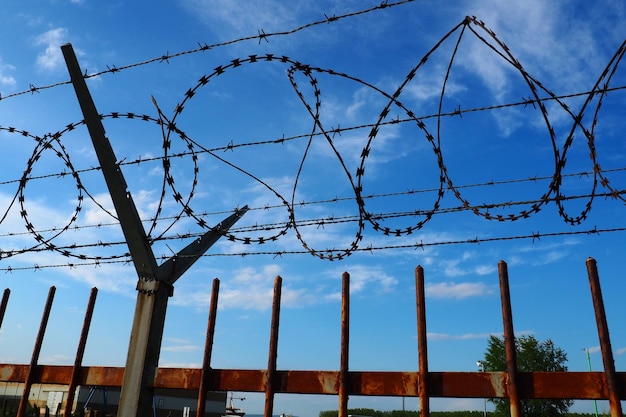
(303, 79)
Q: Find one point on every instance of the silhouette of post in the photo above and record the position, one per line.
(155, 283)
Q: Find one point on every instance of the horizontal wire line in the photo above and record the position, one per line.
(328, 220)
(371, 248)
(205, 47)
(51, 141)
(231, 145)
(319, 222)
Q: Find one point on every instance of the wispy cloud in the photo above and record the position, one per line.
(180, 346)
(368, 278)
(51, 58)
(466, 336)
(597, 349)
(469, 336)
(252, 288)
(594, 349)
(241, 16)
(57, 359)
(533, 31)
(247, 288)
(466, 265)
(458, 291)
(6, 80)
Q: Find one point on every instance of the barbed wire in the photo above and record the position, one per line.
(332, 254)
(318, 222)
(327, 220)
(44, 239)
(203, 47)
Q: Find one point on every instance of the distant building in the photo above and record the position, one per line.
(103, 401)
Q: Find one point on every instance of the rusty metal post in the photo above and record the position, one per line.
(509, 340)
(3, 304)
(21, 411)
(80, 351)
(605, 340)
(208, 349)
(422, 345)
(273, 351)
(345, 344)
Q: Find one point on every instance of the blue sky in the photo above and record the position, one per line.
(491, 157)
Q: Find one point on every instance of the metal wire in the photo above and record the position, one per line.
(44, 238)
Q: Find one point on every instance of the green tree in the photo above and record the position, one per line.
(532, 355)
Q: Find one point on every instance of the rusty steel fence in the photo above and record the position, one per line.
(511, 384)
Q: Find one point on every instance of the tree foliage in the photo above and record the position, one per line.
(532, 355)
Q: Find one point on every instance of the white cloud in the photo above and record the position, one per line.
(244, 16)
(114, 278)
(535, 33)
(248, 288)
(364, 277)
(56, 359)
(460, 267)
(466, 336)
(469, 336)
(6, 80)
(458, 291)
(427, 85)
(252, 288)
(181, 348)
(51, 58)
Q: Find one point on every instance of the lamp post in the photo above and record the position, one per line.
(481, 365)
(595, 403)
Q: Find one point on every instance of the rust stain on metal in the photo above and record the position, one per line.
(307, 382)
(498, 383)
(102, 375)
(13, 373)
(574, 385)
(329, 382)
(389, 383)
(184, 378)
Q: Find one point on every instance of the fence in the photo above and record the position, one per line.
(343, 382)
(420, 383)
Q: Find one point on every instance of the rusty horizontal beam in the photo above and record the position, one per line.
(556, 385)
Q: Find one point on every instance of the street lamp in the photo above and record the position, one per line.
(595, 403)
(481, 365)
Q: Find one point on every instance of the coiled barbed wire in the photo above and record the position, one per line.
(170, 129)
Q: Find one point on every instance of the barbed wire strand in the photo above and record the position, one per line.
(533, 236)
(316, 222)
(170, 129)
(203, 47)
